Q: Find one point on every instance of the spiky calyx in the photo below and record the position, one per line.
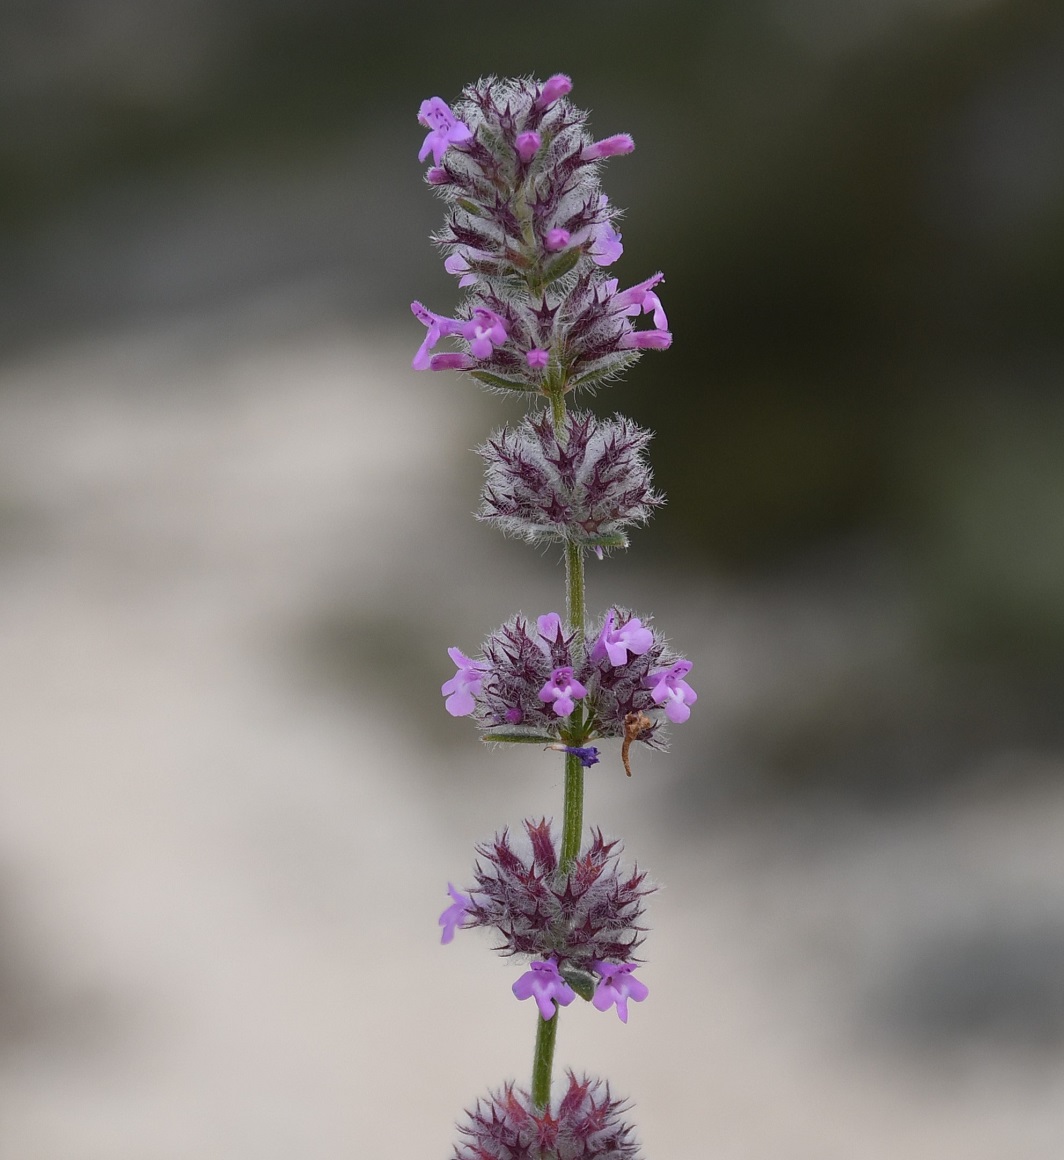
(585, 1124)
(586, 485)
(589, 913)
(512, 690)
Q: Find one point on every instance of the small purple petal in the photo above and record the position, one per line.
(527, 145)
(454, 913)
(537, 357)
(556, 239)
(608, 147)
(444, 128)
(557, 86)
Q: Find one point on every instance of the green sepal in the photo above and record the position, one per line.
(502, 384)
(470, 207)
(582, 982)
(519, 738)
(561, 265)
(616, 540)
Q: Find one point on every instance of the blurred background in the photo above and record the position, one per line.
(235, 542)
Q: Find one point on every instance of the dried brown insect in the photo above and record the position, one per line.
(637, 727)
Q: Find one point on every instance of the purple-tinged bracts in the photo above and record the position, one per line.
(587, 487)
(585, 1124)
(584, 916)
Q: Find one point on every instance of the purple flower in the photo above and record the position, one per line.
(555, 87)
(454, 913)
(645, 340)
(436, 176)
(438, 327)
(588, 755)
(456, 264)
(537, 357)
(617, 643)
(617, 986)
(464, 685)
(556, 239)
(668, 687)
(484, 331)
(546, 986)
(444, 128)
(527, 145)
(563, 690)
(451, 360)
(550, 626)
(607, 147)
(606, 247)
(641, 299)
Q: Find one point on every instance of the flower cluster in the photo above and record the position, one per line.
(586, 914)
(585, 1124)
(585, 484)
(530, 233)
(530, 681)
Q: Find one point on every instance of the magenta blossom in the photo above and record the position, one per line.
(451, 360)
(617, 643)
(438, 327)
(444, 128)
(606, 246)
(484, 331)
(555, 87)
(457, 264)
(668, 687)
(464, 685)
(527, 145)
(645, 340)
(537, 357)
(549, 625)
(564, 690)
(543, 983)
(616, 987)
(608, 147)
(556, 239)
(641, 299)
(453, 915)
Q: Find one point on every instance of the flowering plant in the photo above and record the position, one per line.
(530, 237)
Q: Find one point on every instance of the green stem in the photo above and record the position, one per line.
(543, 1060)
(573, 820)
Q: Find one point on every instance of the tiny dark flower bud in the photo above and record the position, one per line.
(584, 1124)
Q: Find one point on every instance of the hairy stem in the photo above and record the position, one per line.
(543, 1060)
(573, 816)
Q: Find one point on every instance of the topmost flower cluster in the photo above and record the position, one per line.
(529, 232)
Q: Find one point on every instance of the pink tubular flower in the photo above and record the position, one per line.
(641, 299)
(555, 87)
(606, 247)
(537, 357)
(451, 360)
(454, 913)
(645, 340)
(444, 128)
(617, 643)
(457, 264)
(556, 239)
(484, 331)
(464, 685)
(563, 690)
(616, 987)
(438, 326)
(437, 176)
(527, 145)
(543, 983)
(668, 687)
(608, 147)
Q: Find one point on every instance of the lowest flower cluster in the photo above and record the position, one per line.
(530, 237)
